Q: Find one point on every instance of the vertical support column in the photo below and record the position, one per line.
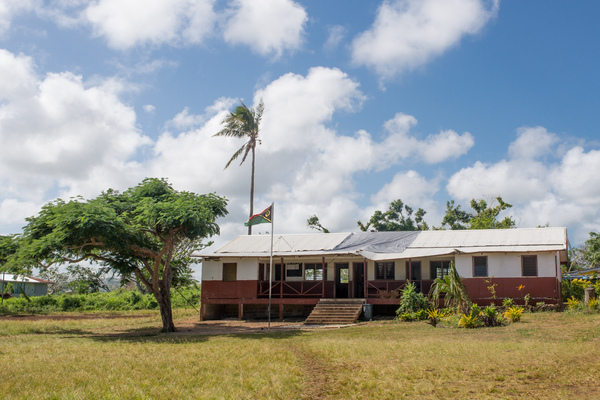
(323, 266)
(366, 279)
(240, 311)
(281, 281)
(410, 269)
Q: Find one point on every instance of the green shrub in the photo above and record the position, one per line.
(491, 317)
(508, 302)
(118, 300)
(411, 300)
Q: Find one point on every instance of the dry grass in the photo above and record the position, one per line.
(547, 356)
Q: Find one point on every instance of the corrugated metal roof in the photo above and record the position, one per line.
(20, 279)
(299, 243)
(399, 245)
(491, 237)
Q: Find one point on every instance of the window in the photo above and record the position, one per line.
(229, 272)
(313, 272)
(413, 270)
(293, 270)
(439, 269)
(385, 270)
(480, 267)
(529, 265)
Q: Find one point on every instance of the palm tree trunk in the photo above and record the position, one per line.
(252, 191)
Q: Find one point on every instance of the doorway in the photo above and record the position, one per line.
(342, 280)
(358, 285)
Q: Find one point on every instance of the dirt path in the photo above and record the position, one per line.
(318, 375)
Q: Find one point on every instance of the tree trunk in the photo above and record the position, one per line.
(166, 312)
(252, 190)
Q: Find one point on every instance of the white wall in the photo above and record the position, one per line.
(247, 269)
(505, 265)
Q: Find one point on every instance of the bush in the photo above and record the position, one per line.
(508, 302)
(491, 317)
(470, 320)
(514, 313)
(411, 300)
(576, 288)
(118, 300)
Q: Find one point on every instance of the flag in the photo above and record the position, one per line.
(265, 217)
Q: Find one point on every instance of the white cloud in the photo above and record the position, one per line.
(336, 35)
(436, 148)
(149, 108)
(409, 33)
(266, 26)
(56, 131)
(543, 183)
(531, 143)
(11, 8)
(128, 23)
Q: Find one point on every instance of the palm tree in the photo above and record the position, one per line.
(455, 291)
(243, 123)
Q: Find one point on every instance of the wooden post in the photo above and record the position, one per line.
(281, 281)
(323, 266)
(240, 311)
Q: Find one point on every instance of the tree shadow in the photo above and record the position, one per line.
(183, 336)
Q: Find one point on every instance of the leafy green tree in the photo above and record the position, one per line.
(314, 223)
(454, 290)
(482, 217)
(140, 231)
(398, 217)
(244, 123)
(588, 255)
(8, 246)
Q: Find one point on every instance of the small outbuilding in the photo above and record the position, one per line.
(23, 284)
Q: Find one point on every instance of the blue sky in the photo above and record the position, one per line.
(366, 102)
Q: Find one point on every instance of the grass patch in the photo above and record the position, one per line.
(547, 356)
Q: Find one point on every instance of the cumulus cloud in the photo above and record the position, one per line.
(409, 33)
(266, 26)
(128, 23)
(436, 148)
(57, 133)
(544, 183)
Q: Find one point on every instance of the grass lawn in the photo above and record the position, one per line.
(547, 356)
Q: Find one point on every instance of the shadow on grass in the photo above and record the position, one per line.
(155, 336)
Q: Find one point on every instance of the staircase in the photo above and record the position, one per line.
(335, 311)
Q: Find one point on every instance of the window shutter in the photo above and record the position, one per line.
(480, 267)
(530, 266)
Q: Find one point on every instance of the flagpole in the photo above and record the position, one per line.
(271, 266)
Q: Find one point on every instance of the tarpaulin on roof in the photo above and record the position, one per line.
(376, 242)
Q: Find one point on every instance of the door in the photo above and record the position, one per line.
(342, 280)
(359, 280)
(413, 273)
